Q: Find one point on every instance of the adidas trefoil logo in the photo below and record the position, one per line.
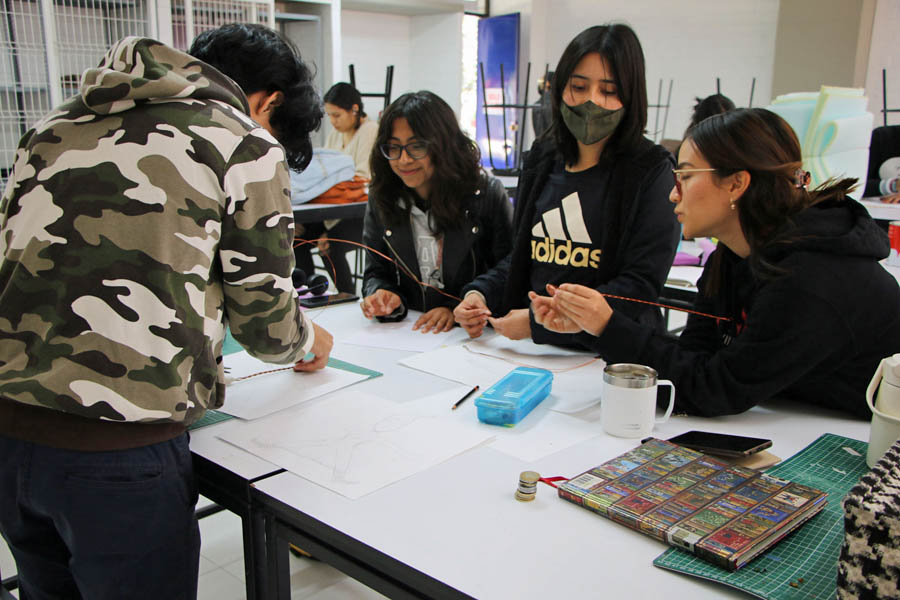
(550, 244)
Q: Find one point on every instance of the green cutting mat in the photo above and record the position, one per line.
(833, 464)
(211, 417)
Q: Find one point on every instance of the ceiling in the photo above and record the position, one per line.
(408, 7)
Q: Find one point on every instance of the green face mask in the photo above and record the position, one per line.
(588, 122)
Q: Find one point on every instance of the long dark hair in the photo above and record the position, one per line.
(343, 95)
(454, 156)
(619, 45)
(260, 59)
(762, 143)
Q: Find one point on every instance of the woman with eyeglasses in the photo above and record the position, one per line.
(802, 308)
(432, 210)
(591, 205)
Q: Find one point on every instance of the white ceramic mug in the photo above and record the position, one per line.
(628, 406)
(883, 396)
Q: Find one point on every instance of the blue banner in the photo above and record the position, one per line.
(498, 49)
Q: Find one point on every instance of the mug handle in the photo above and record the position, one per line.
(671, 400)
(873, 385)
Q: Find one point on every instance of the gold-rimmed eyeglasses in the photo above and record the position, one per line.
(680, 173)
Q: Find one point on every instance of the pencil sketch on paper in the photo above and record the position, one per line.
(355, 443)
(342, 455)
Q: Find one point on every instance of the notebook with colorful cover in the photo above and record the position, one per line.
(722, 513)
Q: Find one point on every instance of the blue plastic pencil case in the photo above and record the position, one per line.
(514, 396)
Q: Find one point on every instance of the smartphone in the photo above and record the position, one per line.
(327, 300)
(721, 444)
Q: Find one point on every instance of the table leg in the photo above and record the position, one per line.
(277, 550)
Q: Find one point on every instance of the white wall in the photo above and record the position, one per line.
(884, 54)
(803, 62)
(690, 41)
(436, 45)
(426, 51)
(371, 42)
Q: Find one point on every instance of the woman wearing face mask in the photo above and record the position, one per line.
(353, 134)
(591, 205)
(807, 311)
(432, 210)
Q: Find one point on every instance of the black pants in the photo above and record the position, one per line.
(101, 525)
(336, 260)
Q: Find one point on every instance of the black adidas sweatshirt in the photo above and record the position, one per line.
(610, 227)
(815, 334)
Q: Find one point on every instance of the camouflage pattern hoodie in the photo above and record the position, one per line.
(141, 216)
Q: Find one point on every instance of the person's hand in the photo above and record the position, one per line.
(380, 304)
(322, 244)
(436, 320)
(515, 325)
(892, 199)
(584, 306)
(472, 314)
(320, 350)
(548, 317)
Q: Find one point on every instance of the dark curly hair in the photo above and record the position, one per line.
(455, 158)
(260, 59)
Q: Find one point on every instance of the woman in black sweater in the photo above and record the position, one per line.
(795, 302)
(432, 211)
(591, 204)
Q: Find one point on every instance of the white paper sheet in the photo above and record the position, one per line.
(577, 378)
(400, 335)
(684, 276)
(355, 443)
(264, 394)
(541, 433)
(527, 353)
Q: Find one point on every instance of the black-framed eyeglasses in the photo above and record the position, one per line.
(415, 150)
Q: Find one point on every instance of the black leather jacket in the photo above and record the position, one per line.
(475, 246)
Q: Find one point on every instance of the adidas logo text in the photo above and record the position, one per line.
(562, 253)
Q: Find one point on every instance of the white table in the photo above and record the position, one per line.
(881, 210)
(225, 474)
(456, 531)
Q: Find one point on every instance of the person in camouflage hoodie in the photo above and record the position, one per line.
(142, 216)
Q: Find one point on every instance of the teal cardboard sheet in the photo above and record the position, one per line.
(803, 565)
(211, 417)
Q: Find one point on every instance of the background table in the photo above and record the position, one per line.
(881, 210)
(312, 213)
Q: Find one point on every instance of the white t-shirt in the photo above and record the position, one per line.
(429, 248)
